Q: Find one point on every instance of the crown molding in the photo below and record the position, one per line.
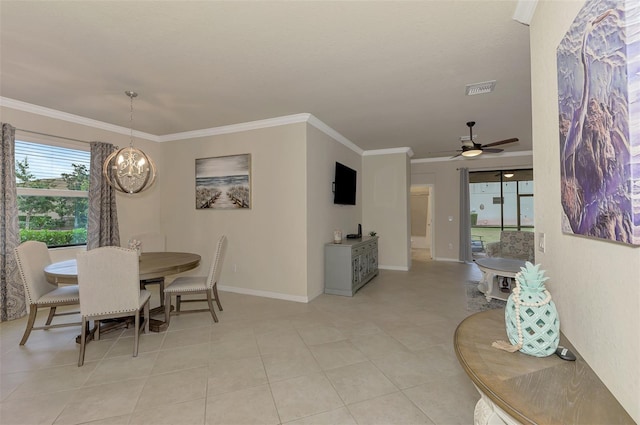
(236, 128)
(214, 131)
(524, 11)
(461, 158)
(333, 134)
(75, 119)
(270, 122)
(389, 151)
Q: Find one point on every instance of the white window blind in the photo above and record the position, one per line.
(50, 162)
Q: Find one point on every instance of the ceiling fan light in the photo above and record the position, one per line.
(508, 174)
(469, 153)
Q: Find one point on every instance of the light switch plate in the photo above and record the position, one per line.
(541, 242)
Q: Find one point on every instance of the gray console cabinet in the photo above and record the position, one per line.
(349, 265)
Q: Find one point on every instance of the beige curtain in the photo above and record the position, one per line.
(12, 303)
(102, 227)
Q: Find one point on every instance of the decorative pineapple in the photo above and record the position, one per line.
(531, 317)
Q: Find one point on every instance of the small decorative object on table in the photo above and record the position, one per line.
(135, 244)
(533, 326)
(372, 233)
(337, 236)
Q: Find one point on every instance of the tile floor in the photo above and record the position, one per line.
(384, 356)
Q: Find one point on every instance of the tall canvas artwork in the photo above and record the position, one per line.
(599, 107)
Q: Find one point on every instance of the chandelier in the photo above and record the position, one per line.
(129, 170)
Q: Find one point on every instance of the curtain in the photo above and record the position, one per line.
(465, 217)
(102, 227)
(12, 302)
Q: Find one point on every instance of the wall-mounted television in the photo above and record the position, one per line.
(344, 185)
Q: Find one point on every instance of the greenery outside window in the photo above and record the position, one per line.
(52, 184)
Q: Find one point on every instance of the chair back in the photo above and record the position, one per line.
(108, 280)
(32, 257)
(216, 264)
(151, 241)
(518, 244)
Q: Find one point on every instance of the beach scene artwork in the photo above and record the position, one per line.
(599, 116)
(223, 182)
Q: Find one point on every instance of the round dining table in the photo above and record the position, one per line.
(152, 265)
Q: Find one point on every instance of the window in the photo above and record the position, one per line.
(52, 183)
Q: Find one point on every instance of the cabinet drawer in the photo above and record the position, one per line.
(358, 251)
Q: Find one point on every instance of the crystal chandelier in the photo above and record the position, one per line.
(129, 170)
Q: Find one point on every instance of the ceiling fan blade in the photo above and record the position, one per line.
(455, 156)
(501, 142)
(492, 150)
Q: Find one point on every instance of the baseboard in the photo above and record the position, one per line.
(265, 294)
(311, 298)
(455, 260)
(398, 268)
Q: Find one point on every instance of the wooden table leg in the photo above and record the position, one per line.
(109, 326)
(156, 325)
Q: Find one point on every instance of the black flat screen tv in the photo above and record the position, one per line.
(344, 185)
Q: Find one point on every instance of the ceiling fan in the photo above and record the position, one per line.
(471, 148)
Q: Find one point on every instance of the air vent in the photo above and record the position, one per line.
(480, 88)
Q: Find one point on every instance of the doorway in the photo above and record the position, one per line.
(421, 205)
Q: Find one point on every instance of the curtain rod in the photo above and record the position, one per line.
(51, 135)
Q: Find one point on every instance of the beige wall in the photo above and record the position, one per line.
(276, 247)
(385, 188)
(446, 195)
(137, 213)
(267, 243)
(323, 217)
(595, 284)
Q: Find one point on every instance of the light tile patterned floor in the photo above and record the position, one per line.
(384, 356)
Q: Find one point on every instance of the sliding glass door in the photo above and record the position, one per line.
(499, 200)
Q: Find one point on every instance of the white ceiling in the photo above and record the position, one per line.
(383, 74)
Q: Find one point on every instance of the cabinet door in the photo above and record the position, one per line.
(365, 269)
(373, 260)
(355, 270)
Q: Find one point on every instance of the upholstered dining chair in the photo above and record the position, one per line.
(108, 278)
(187, 285)
(152, 242)
(32, 257)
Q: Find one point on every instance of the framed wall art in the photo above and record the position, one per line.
(223, 182)
(599, 115)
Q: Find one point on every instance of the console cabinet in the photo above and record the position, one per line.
(349, 265)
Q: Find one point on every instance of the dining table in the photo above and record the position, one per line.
(152, 265)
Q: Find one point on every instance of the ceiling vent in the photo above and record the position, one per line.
(480, 88)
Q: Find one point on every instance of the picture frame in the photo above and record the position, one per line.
(598, 88)
(223, 182)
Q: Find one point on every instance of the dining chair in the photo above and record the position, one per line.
(108, 278)
(152, 242)
(32, 257)
(187, 285)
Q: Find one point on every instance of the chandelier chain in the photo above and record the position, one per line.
(131, 95)
(131, 123)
